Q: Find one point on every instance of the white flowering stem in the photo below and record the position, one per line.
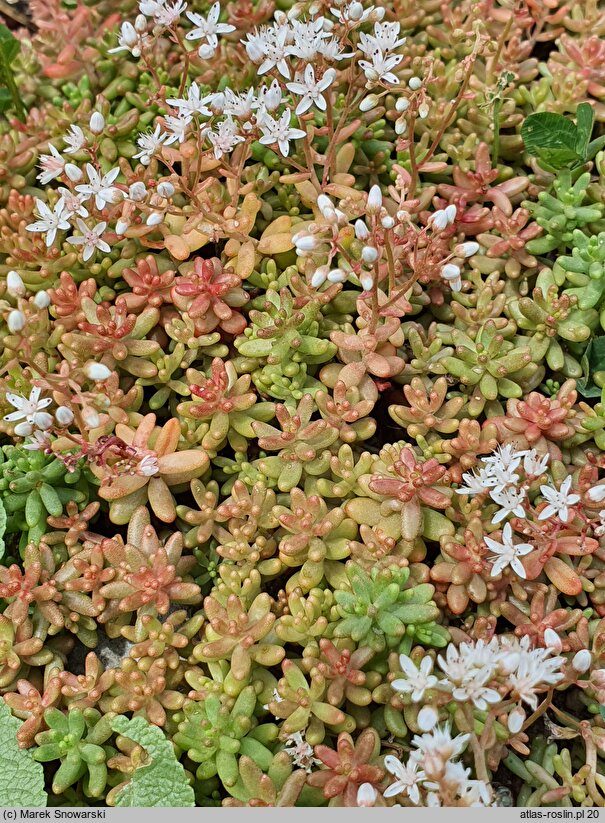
(468, 64)
(544, 706)
(490, 74)
(478, 750)
(391, 262)
(374, 301)
(239, 155)
(308, 152)
(412, 150)
(178, 38)
(333, 139)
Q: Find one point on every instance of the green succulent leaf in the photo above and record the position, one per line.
(162, 782)
(592, 361)
(21, 778)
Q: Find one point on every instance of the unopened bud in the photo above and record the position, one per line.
(137, 191)
(128, 34)
(337, 276)
(23, 429)
(427, 718)
(42, 300)
(140, 24)
(516, 719)
(96, 122)
(361, 230)
(16, 321)
(97, 371)
(366, 795)
(206, 51)
(367, 281)
(552, 640)
(402, 104)
(387, 222)
(154, 219)
(450, 271)
(582, 661)
(90, 417)
(165, 189)
(64, 416)
(466, 249)
(122, 226)
(450, 212)
(355, 11)
(14, 284)
(73, 172)
(374, 203)
(369, 254)
(305, 242)
(415, 83)
(596, 494)
(439, 220)
(423, 111)
(319, 277)
(370, 102)
(43, 420)
(324, 202)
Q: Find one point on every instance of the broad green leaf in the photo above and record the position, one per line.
(547, 130)
(9, 94)
(6, 99)
(584, 124)
(21, 778)
(551, 137)
(162, 782)
(9, 45)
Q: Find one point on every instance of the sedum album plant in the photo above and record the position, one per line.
(302, 403)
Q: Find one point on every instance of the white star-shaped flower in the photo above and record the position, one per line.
(279, 131)
(90, 239)
(559, 501)
(507, 553)
(100, 186)
(310, 89)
